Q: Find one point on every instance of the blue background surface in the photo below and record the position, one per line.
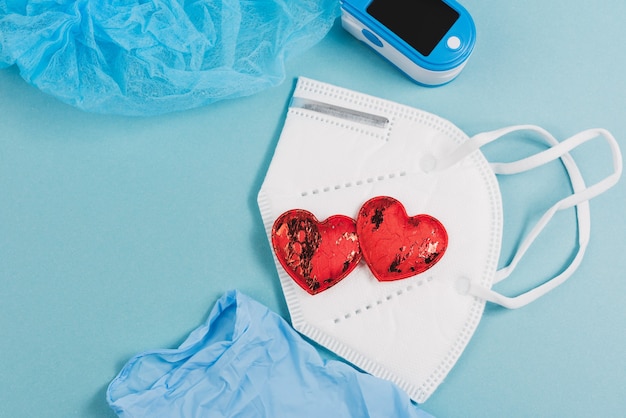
(118, 234)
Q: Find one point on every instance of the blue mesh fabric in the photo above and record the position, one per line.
(135, 57)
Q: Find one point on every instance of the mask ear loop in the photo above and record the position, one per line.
(580, 199)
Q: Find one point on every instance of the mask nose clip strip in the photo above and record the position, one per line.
(341, 112)
(580, 199)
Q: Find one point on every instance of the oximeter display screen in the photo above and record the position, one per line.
(420, 23)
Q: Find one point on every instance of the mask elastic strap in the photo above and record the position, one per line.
(579, 199)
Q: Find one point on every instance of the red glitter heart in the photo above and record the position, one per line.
(394, 245)
(317, 255)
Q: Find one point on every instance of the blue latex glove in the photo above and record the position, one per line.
(136, 57)
(247, 361)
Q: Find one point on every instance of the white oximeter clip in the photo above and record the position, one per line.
(429, 40)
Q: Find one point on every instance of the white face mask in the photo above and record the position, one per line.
(386, 225)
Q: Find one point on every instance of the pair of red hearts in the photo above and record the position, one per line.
(317, 255)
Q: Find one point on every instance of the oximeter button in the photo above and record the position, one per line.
(453, 42)
(372, 38)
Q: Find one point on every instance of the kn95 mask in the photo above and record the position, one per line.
(386, 226)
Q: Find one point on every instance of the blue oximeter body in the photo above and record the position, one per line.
(429, 40)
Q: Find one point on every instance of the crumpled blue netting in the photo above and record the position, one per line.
(137, 57)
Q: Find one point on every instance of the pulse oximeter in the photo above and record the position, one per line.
(429, 40)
